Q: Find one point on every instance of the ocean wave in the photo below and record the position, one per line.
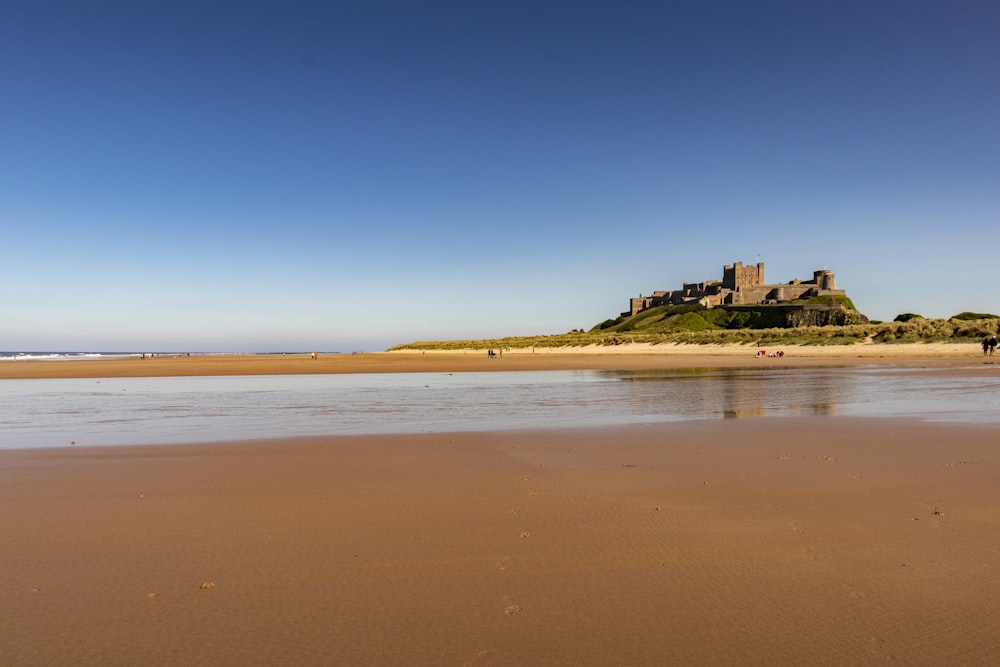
(52, 356)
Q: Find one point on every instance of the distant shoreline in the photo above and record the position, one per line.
(81, 356)
(633, 356)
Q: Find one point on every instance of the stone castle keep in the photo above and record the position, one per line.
(741, 285)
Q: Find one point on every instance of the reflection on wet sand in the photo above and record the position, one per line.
(741, 393)
(39, 413)
(814, 410)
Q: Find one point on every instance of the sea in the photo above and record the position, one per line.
(51, 356)
(72, 356)
(147, 411)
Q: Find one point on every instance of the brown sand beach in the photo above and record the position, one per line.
(622, 357)
(766, 541)
(756, 542)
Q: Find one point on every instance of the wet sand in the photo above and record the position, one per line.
(623, 357)
(755, 542)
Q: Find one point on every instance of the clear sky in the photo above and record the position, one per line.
(258, 176)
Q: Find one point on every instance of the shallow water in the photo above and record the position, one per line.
(116, 411)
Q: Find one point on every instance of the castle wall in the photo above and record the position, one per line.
(778, 293)
(712, 300)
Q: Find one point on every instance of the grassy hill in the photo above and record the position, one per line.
(693, 324)
(695, 317)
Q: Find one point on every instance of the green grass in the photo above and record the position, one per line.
(694, 328)
(968, 317)
(823, 300)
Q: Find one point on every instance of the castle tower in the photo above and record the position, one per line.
(824, 279)
(737, 276)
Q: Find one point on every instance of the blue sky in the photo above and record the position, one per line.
(345, 176)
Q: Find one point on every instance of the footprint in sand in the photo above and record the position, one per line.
(525, 534)
(855, 593)
(512, 609)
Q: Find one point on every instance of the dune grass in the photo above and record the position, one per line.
(663, 327)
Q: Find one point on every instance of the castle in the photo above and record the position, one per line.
(741, 285)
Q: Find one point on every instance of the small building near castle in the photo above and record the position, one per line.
(740, 285)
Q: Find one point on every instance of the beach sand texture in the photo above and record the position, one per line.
(634, 356)
(754, 542)
(739, 542)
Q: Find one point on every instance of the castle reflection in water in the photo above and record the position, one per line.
(45, 413)
(741, 393)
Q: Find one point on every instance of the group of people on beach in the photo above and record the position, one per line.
(772, 355)
(989, 345)
(493, 355)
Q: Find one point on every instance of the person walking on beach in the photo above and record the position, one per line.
(993, 344)
(986, 346)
